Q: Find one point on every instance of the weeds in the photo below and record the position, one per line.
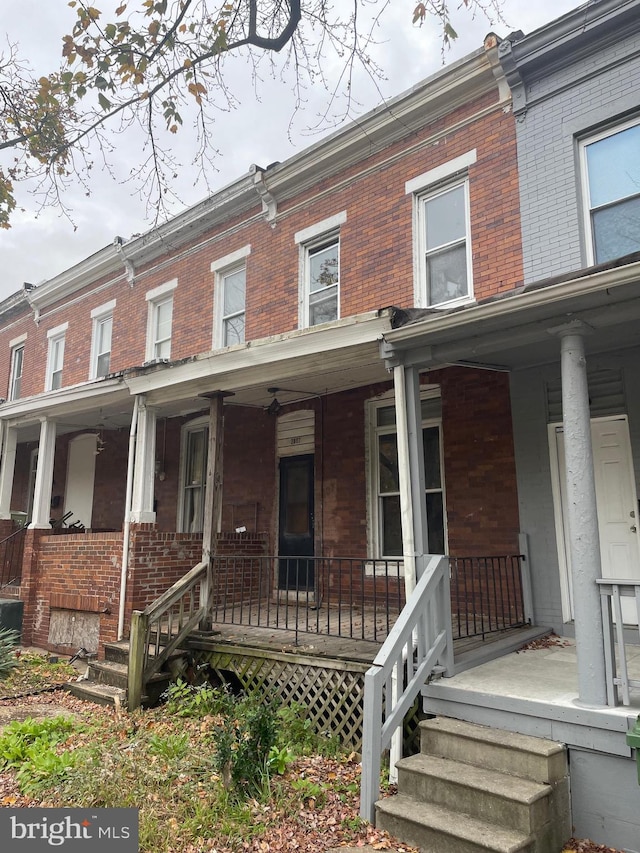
(8, 642)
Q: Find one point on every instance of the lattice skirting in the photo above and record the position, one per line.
(331, 690)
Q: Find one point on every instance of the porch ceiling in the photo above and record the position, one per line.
(521, 330)
(300, 364)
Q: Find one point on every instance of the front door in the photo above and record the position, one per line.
(295, 531)
(81, 470)
(617, 505)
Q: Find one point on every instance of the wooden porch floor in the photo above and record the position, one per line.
(466, 650)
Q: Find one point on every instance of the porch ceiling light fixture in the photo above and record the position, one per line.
(274, 406)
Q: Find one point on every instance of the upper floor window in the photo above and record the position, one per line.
(55, 358)
(611, 165)
(101, 340)
(159, 321)
(386, 528)
(442, 234)
(230, 298)
(17, 366)
(320, 271)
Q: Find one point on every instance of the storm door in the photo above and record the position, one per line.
(295, 529)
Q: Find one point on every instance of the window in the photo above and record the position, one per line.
(443, 230)
(320, 271)
(17, 364)
(385, 483)
(193, 477)
(56, 357)
(442, 244)
(611, 165)
(101, 340)
(230, 298)
(159, 322)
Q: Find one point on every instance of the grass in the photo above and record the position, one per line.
(207, 770)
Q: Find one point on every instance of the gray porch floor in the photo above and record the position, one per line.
(544, 675)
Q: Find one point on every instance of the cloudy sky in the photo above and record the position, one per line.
(264, 127)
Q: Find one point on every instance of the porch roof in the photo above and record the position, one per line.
(518, 329)
(323, 359)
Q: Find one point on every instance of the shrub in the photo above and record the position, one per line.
(8, 642)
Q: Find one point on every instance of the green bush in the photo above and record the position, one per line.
(8, 642)
(30, 747)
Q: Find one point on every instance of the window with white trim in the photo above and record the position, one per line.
(611, 172)
(17, 366)
(230, 298)
(442, 234)
(193, 476)
(159, 321)
(320, 271)
(386, 532)
(55, 359)
(102, 318)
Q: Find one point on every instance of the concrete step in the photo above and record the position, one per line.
(101, 694)
(435, 829)
(117, 652)
(109, 672)
(498, 798)
(528, 757)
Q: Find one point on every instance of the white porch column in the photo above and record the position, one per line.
(582, 518)
(44, 476)
(145, 467)
(413, 513)
(7, 469)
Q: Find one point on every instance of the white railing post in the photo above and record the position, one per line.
(409, 635)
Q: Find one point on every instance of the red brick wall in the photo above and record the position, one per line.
(376, 251)
(73, 572)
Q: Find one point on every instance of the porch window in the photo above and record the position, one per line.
(387, 539)
(159, 322)
(17, 363)
(611, 165)
(194, 476)
(55, 358)
(101, 340)
(320, 271)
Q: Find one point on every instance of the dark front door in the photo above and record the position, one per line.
(295, 539)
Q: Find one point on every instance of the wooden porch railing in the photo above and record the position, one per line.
(612, 592)
(161, 627)
(419, 644)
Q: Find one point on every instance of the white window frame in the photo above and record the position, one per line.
(584, 176)
(56, 338)
(373, 431)
(323, 233)
(156, 298)
(196, 425)
(99, 316)
(454, 173)
(223, 267)
(16, 345)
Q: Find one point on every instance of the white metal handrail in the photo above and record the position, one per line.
(419, 644)
(612, 591)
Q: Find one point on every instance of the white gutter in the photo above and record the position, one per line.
(127, 518)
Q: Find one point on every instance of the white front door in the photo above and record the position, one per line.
(617, 507)
(81, 469)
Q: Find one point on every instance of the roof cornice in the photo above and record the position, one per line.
(104, 262)
(563, 42)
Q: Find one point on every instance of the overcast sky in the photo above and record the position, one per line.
(41, 245)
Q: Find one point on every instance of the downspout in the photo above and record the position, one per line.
(127, 517)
